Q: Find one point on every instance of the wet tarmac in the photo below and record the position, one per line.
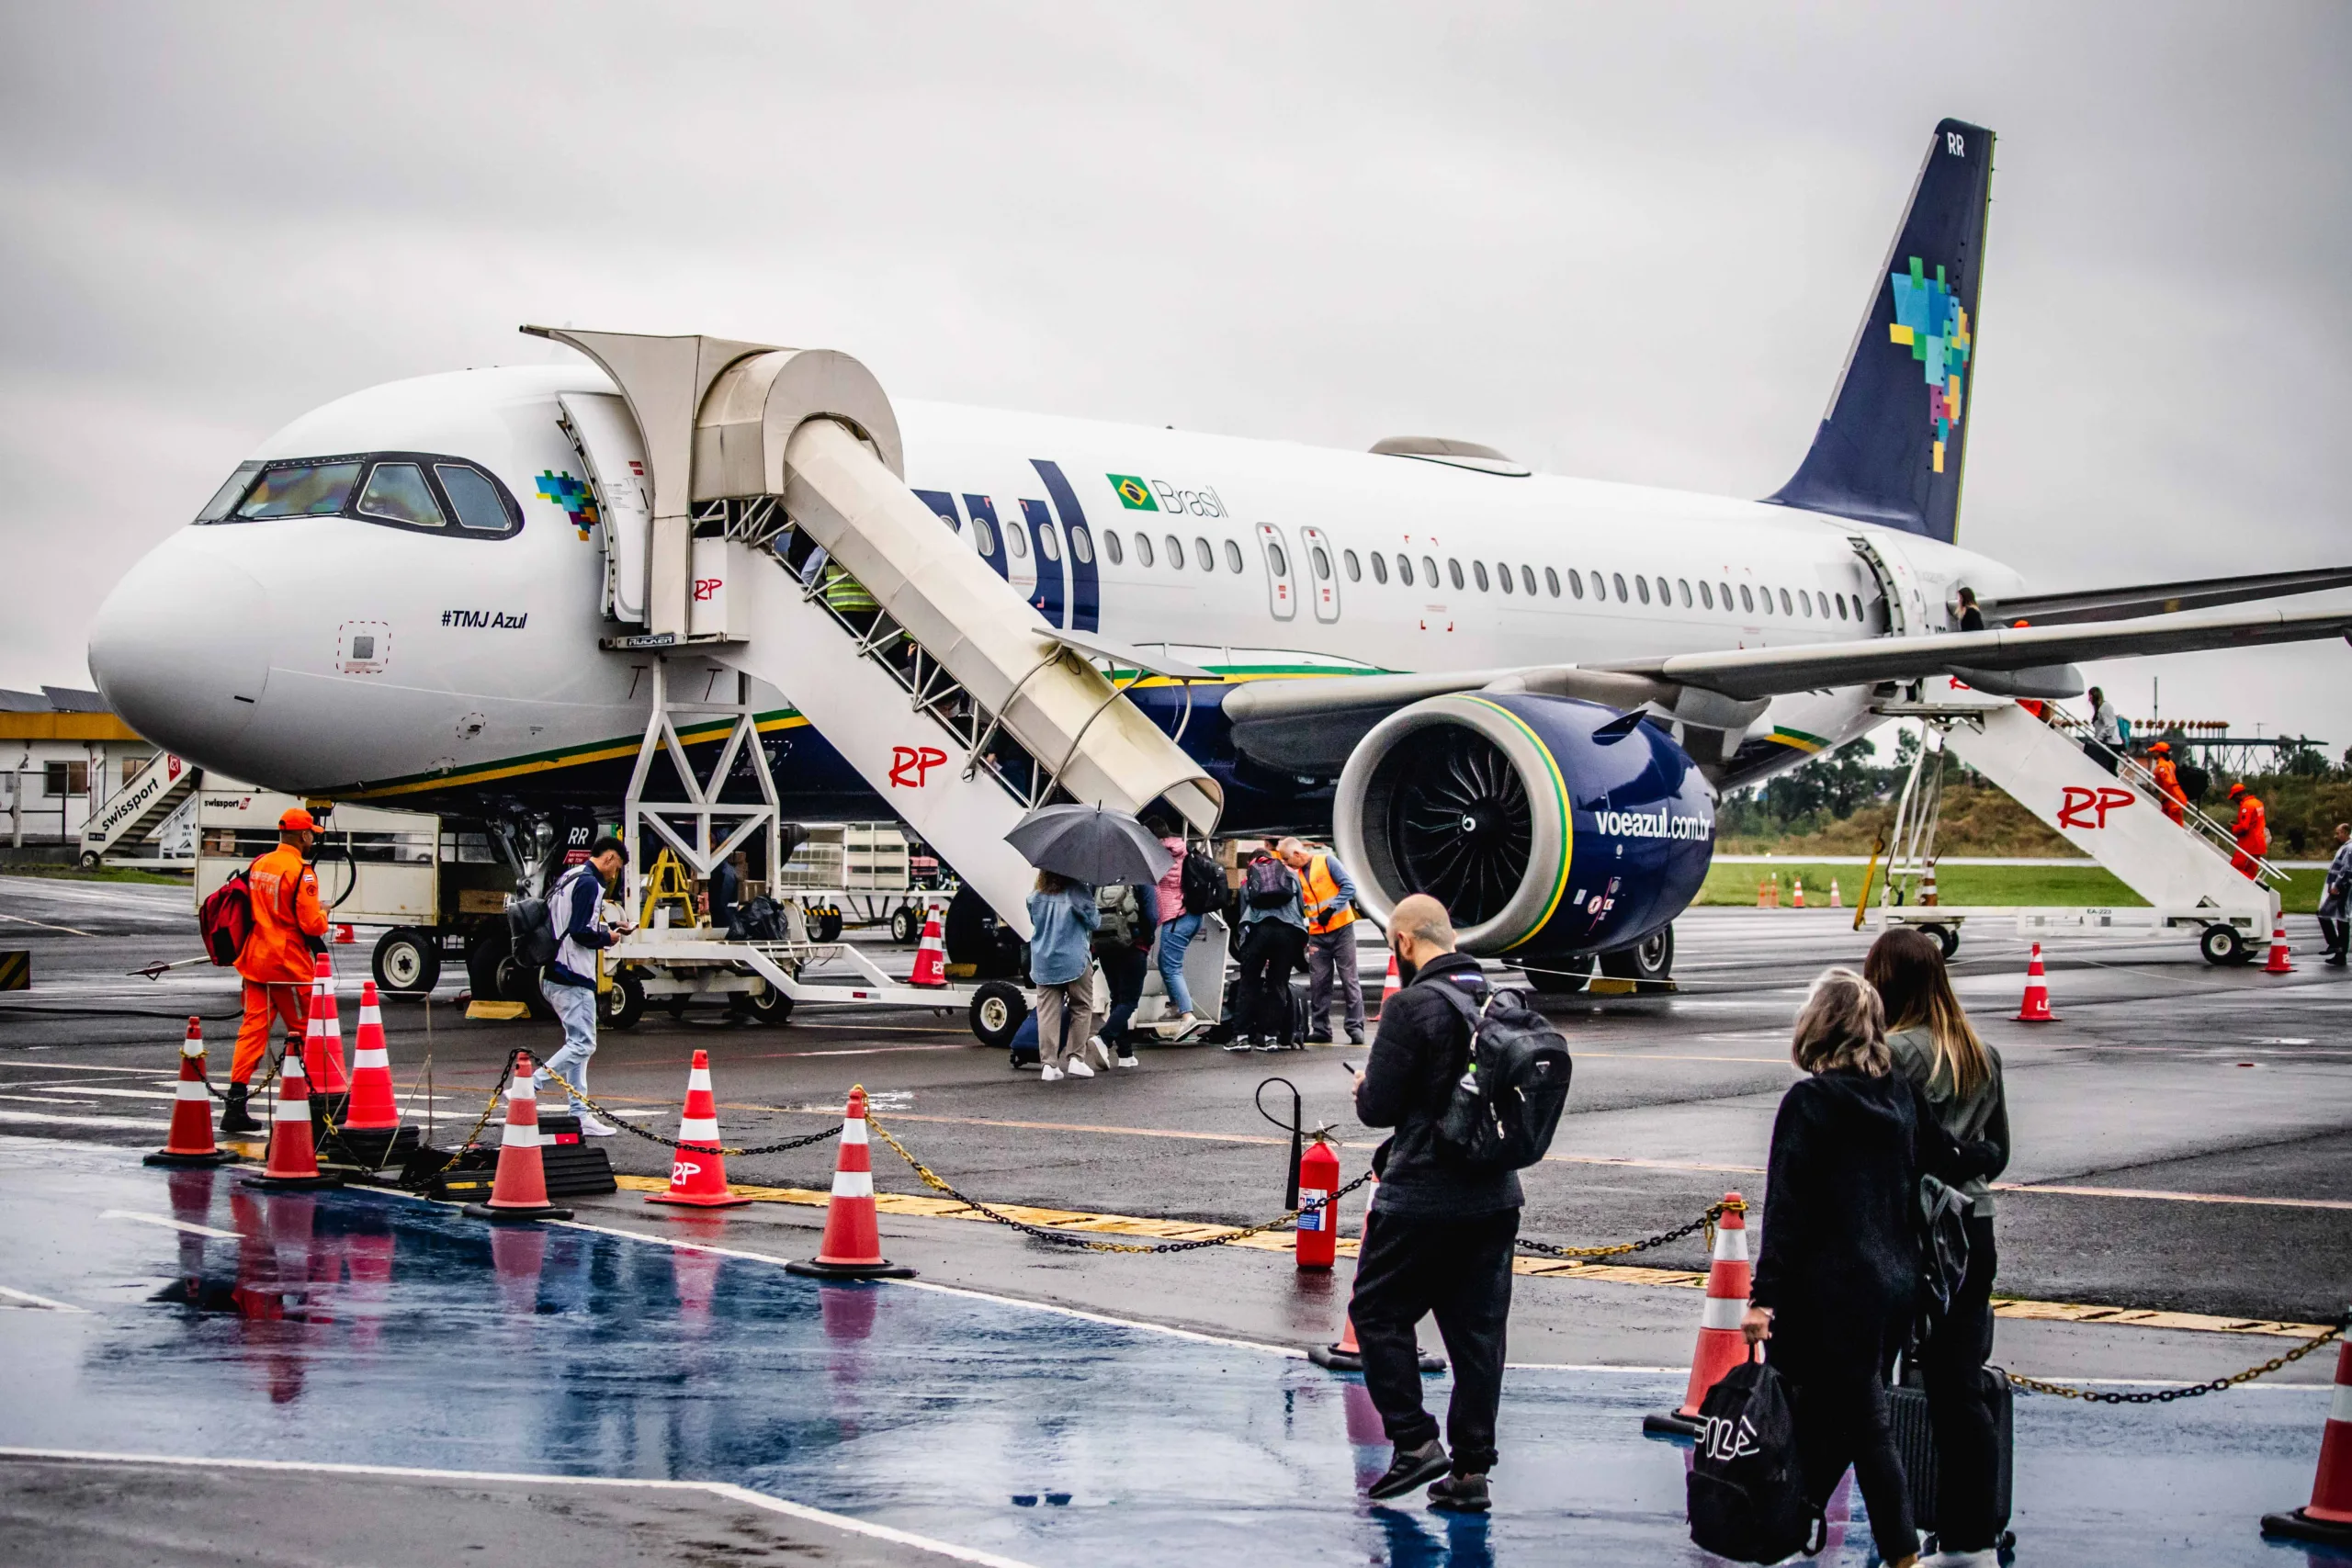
(180, 1313)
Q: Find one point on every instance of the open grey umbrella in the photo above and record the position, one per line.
(1090, 844)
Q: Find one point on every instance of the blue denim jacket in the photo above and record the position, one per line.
(1061, 925)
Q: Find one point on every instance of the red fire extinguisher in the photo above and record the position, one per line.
(1319, 1218)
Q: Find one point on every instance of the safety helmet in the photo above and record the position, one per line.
(296, 820)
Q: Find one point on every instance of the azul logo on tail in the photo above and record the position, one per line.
(1932, 323)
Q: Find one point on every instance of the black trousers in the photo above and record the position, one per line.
(1967, 1438)
(2332, 933)
(1270, 951)
(1460, 1269)
(1123, 968)
(1836, 1375)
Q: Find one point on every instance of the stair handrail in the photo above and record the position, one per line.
(2212, 834)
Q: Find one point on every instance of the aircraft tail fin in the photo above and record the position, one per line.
(1890, 449)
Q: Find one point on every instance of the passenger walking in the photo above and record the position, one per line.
(279, 959)
(1834, 1283)
(1121, 945)
(1274, 942)
(2107, 731)
(1959, 1075)
(1330, 909)
(576, 910)
(1439, 1236)
(1062, 918)
(1178, 926)
(2251, 828)
(2336, 899)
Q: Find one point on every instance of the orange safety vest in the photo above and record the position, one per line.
(2252, 829)
(1321, 885)
(285, 912)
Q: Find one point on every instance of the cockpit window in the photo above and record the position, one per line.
(302, 489)
(392, 489)
(397, 493)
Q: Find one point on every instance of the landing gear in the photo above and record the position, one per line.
(2222, 945)
(1650, 959)
(622, 1003)
(408, 961)
(998, 1008)
(975, 936)
(1573, 978)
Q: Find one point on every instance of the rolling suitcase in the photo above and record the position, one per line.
(1915, 1439)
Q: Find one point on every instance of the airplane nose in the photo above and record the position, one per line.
(181, 648)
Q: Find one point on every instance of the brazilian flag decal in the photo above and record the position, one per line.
(1133, 491)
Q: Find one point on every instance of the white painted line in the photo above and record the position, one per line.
(45, 925)
(46, 1065)
(28, 1299)
(734, 1494)
(44, 1100)
(168, 1223)
(91, 1089)
(38, 1119)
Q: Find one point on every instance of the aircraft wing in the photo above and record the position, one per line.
(2162, 598)
(1311, 725)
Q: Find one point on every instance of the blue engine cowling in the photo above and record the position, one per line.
(1549, 827)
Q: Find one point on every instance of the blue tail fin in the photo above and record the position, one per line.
(1890, 448)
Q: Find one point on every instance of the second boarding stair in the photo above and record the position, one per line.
(777, 492)
(145, 800)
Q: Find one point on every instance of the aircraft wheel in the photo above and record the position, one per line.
(1947, 937)
(1652, 958)
(904, 926)
(407, 960)
(767, 1005)
(622, 1003)
(998, 1008)
(2222, 944)
(1565, 981)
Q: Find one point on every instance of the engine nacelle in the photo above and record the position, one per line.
(1550, 828)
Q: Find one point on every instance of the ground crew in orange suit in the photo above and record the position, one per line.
(2252, 829)
(280, 956)
(2176, 803)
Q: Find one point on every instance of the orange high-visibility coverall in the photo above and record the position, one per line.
(2252, 830)
(278, 963)
(2175, 803)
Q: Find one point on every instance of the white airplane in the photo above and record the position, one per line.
(434, 593)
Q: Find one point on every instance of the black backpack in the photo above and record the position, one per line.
(1943, 1245)
(1744, 1490)
(531, 923)
(1203, 884)
(1503, 1115)
(1267, 884)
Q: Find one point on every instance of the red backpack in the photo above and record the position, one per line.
(226, 919)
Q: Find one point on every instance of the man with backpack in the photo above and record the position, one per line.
(1440, 1235)
(1274, 942)
(279, 956)
(1121, 945)
(576, 919)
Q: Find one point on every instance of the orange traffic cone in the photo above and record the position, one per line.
(519, 1190)
(1798, 902)
(1722, 1346)
(697, 1173)
(322, 1036)
(1834, 901)
(1347, 1355)
(372, 1108)
(931, 955)
(2278, 950)
(853, 1246)
(190, 1139)
(2328, 1516)
(1927, 885)
(1392, 984)
(2035, 1009)
(293, 1163)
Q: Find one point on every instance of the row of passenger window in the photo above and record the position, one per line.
(402, 489)
(1171, 551)
(1710, 596)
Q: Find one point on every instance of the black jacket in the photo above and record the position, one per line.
(1422, 1049)
(1839, 1256)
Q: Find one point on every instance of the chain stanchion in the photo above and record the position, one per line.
(1705, 1221)
(580, 1097)
(2190, 1391)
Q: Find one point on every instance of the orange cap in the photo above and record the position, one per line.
(2159, 746)
(2237, 790)
(296, 821)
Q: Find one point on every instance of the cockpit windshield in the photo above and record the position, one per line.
(416, 491)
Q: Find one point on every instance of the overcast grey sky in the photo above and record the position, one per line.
(1627, 243)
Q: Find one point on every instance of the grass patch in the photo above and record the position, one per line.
(103, 874)
(2062, 886)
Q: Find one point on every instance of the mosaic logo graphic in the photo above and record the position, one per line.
(577, 499)
(1931, 322)
(1133, 492)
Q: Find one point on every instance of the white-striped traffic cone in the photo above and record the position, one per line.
(2035, 1007)
(698, 1171)
(2327, 1518)
(930, 954)
(190, 1139)
(372, 1108)
(1722, 1344)
(853, 1246)
(519, 1190)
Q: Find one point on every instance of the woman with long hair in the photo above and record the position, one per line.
(1839, 1252)
(1959, 1078)
(1062, 918)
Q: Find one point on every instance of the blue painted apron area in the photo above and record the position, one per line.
(360, 1328)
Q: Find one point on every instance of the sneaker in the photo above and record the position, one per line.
(1078, 1068)
(1172, 1027)
(1276, 1045)
(1411, 1467)
(1049, 1073)
(1318, 1040)
(1460, 1495)
(1239, 1044)
(1129, 1061)
(1987, 1558)
(594, 1126)
(1101, 1051)
(1355, 1036)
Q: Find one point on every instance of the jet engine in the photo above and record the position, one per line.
(1551, 827)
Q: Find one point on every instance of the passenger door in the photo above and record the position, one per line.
(1282, 587)
(1322, 573)
(605, 434)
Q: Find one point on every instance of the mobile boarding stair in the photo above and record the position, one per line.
(758, 526)
(2184, 870)
(140, 806)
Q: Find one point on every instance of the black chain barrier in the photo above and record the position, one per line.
(2191, 1391)
(1705, 1221)
(579, 1097)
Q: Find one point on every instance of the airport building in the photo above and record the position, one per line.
(62, 758)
